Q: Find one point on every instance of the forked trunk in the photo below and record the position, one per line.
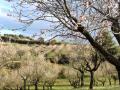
(25, 81)
(82, 79)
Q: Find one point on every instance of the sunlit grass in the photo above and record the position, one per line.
(63, 84)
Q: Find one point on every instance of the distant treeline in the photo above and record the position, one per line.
(20, 39)
(7, 39)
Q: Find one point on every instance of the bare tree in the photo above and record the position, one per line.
(51, 72)
(37, 73)
(87, 60)
(107, 72)
(25, 72)
(91, 64)
(77, 62)
(80, 67)
(10, 80)
(73, 76)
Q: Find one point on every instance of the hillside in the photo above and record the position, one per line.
(20, 39)
(47, 62)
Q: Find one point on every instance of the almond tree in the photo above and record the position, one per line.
(79, 65)
(13, 81)
(37, 73)
(7, 55)
(25, 72)
(3, 77)
(73, 76)
(92, 62)
(92, 65)
(51, 72)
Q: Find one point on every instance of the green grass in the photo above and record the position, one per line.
(63, 84)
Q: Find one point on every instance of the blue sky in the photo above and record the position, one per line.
(9, 22)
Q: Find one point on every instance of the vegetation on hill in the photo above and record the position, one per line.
(18, 37)
(28, 68)
(26, 40)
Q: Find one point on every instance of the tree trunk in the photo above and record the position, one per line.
(21, 88)
(82, 79)
(103, 83)
(17, 88)
(24, 84)
(28, 87)
(110, 81)
(118, 72)
(44, 86)
(91, 80)
(36, 85)
(50, 87)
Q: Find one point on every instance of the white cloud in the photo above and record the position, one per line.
(5, 14)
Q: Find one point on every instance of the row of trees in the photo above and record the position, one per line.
(31, 73)
(23, 67)
(26, 40)
(29, 66)
(77, 18)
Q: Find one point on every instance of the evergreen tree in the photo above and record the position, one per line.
(106, 40)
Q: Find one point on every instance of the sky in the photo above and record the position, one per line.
(9, 23)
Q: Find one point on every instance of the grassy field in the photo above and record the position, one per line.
(63, 84)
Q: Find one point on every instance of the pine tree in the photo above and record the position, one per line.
(106, 40)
